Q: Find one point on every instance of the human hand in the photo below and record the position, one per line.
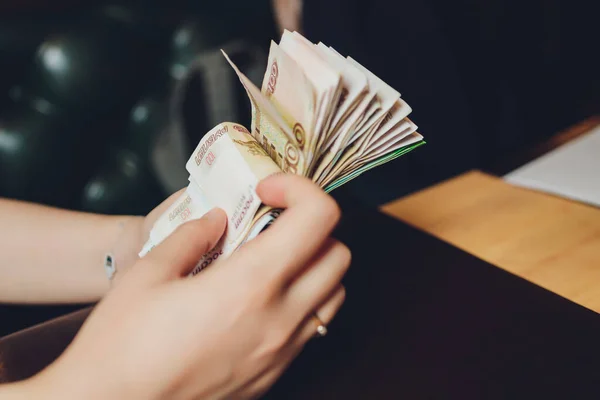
(228, 332)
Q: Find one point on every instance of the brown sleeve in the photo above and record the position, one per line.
(25, 353)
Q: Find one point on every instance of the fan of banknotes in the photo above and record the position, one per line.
(318, 114)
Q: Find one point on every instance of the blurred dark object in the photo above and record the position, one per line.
(18, 317)
(87, 93)
(124, 185)
(19, 37)
(27, 353)
(147, 119)
(26, 6)
(96, 66)
(36, 153)
(523, 157)
(63, 113)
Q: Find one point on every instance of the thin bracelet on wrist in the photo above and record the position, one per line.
(110, 266)
(110, 263)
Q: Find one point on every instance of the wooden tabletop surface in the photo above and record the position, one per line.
(550, 241)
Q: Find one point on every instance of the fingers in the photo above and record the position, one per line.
(324, 300)
(326, 312)
(181, 250)
(313, 287)
(294, 238)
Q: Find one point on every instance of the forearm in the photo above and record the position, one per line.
(36, 387)
(17, 391)
(49, 255)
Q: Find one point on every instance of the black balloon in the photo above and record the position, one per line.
(123, 186)
(37, 157)
(92, 69)
(19, 37)
(154, 22)
(195, 36)
(147, 119)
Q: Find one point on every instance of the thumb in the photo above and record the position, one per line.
(180, 252)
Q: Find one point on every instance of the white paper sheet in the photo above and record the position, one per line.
(571, 171)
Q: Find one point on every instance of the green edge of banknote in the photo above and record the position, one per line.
(387, 158)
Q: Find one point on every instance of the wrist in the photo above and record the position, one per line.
(127, 243)
(16, 391)
(67, 379)
(32, 388)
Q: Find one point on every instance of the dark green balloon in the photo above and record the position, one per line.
(92, 68)
(152, 20)
(124, 185)
(147, 119)
(37, 160)
(20, 35)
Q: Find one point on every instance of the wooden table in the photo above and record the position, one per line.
(550, 241)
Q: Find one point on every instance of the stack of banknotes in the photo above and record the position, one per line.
(318, 114)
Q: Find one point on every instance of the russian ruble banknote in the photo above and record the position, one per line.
(317, 114)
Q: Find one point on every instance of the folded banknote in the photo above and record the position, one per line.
(318, 114)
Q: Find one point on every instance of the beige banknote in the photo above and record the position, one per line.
(275, 130)
(317, 114)
(324, 78)
(225, 169)
(227, 166)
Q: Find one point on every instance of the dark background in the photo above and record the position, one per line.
(486, 81)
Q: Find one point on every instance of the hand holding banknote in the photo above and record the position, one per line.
(229, 332)
(317, 114)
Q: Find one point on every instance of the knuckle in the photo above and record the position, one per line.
(278, 339)
(344, 255)
(260, 295)
(260, 390)
(264, 288)
(263, 298)
(342, 294)
(225, 374)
